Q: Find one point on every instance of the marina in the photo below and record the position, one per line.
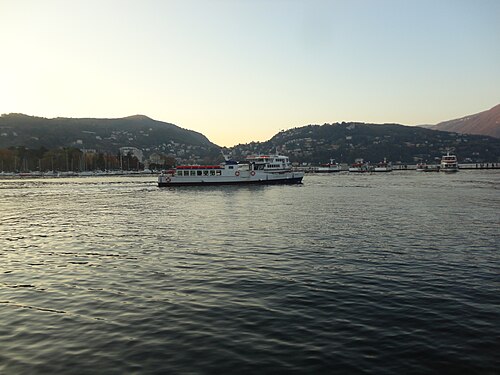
(338, 169)
(259, 169)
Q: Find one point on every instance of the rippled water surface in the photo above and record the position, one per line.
(384, 273)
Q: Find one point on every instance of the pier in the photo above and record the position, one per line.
(465, 166)
(408, 167)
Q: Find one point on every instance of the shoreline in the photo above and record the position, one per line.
(29, 175)
(36, 175)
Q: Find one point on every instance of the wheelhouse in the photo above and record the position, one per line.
(269, 163)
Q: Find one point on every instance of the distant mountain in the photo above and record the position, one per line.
(484, 123)
(101, 134)
(345, 142)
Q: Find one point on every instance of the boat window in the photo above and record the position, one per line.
(198, 173)
(205, 173)
(212, 173)
(186, 173)
(179, 173)
(230, 167)
(192, 173)
(218, 172)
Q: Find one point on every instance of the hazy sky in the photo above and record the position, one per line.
(241, 70)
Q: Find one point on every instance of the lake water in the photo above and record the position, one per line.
(375, 274)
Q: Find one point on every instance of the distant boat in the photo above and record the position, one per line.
(449, 163)
(423, 167)
(383, 166)
(329, 167)
(359, 166)
(259, 169)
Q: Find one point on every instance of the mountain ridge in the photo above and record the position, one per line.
(482, 123)
(346, 142)
(107, 134)
(310, 143)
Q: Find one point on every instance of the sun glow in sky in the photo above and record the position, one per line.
(241, 70)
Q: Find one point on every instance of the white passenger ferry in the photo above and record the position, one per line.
(259, 169)
(449, 163)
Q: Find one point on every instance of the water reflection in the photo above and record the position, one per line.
(372, 273)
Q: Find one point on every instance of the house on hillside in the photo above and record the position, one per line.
(134, 151)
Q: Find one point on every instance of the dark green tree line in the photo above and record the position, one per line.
(22, 159)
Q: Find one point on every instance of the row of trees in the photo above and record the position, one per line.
(21, 159)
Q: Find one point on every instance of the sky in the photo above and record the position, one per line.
(242, 70)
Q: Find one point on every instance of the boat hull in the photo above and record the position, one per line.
(215, 182)
(360, 170)
(330, 170)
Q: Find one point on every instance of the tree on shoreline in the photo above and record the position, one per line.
(67, 159)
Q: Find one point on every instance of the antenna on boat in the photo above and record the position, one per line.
(226, 157)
